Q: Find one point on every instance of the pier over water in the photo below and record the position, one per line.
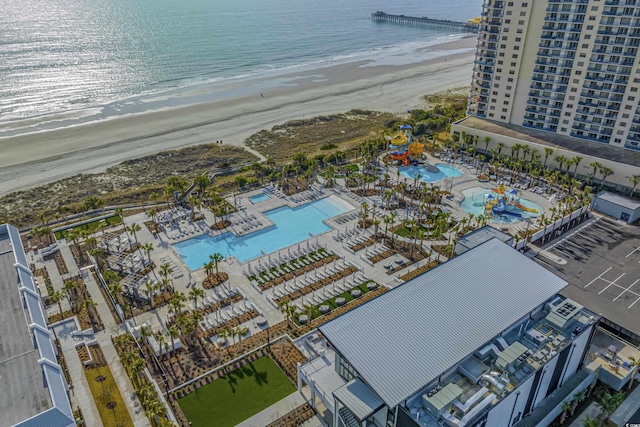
(425, 22)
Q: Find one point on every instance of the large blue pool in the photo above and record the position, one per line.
(444, 171)
(290, 226)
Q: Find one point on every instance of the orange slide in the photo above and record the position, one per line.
(526, 209)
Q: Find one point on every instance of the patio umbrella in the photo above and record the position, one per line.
(513, 191)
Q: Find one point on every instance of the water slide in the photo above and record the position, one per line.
(526, 209)
(500, 210)
(401, 155)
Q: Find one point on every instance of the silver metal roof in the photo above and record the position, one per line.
(618, 199)
(26, 397)
(359, 398)
(407, 337)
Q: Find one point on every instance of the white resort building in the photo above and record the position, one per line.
(481, 340)
(34, 391)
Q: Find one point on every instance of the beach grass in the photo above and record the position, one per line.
(238, 395)
(89, 226)
(307, 136)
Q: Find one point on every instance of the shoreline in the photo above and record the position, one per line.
(364, 84)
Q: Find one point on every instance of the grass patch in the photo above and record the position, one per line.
(238, 395)
(89, 226)
(105, 392)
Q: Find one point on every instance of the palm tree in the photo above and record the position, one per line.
(606, 172)
(547, 152)
(635, 364)
(566, 406)
(635, 180)
(216, 258)
(608, 405)
(147, 247)
(577, 398)
(173, 334)
(590, 422)
(133, 229)
(195, 294)
(148, 287)
(595, 166)
(561, 160)
(487, 141)
(576, 161)
(56, 297)
(165, 271)
(240, 332)
(288, 309)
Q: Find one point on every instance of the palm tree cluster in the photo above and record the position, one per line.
(134, 364)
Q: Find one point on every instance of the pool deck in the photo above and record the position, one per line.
(248, 219)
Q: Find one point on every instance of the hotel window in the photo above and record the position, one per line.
(503, 117)
(521, 22)
(563, 129)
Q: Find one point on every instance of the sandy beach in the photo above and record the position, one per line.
(32, 159)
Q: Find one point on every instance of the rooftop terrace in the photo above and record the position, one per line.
(489, 375)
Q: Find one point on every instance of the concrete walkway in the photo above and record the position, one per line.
(630, 405)
(277, 410)
(592, 411)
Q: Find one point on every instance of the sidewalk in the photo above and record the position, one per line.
(277, 410)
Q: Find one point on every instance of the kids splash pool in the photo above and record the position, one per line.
(290, 226)
(430, 174)
(499, 204)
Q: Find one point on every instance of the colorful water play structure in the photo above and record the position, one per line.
(401, 148)
(501, 202)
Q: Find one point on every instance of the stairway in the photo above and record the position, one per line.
(348, 419)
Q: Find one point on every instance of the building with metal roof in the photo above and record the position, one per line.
(470, 340)
(617, 206)
(34, 389)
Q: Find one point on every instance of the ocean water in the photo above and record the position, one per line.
(59, 57)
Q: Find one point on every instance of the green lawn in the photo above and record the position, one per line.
(237, 396)
(112, 220)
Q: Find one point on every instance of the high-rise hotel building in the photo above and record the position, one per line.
(569, 67)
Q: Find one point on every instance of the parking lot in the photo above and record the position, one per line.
(602, 268)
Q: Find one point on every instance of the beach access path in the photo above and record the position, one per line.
(33, 159)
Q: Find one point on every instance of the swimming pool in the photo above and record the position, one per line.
(259, 198)
(290, 226)
(474, 200)
(444, 171)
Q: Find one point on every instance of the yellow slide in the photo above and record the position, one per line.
(526, 209)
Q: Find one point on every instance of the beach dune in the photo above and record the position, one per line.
(31, 159)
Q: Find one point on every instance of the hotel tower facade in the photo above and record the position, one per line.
(567, 67)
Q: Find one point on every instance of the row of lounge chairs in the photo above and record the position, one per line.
(346, 218)
(268, 275)
(329, 291)
(211, 320)
(347, 235)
